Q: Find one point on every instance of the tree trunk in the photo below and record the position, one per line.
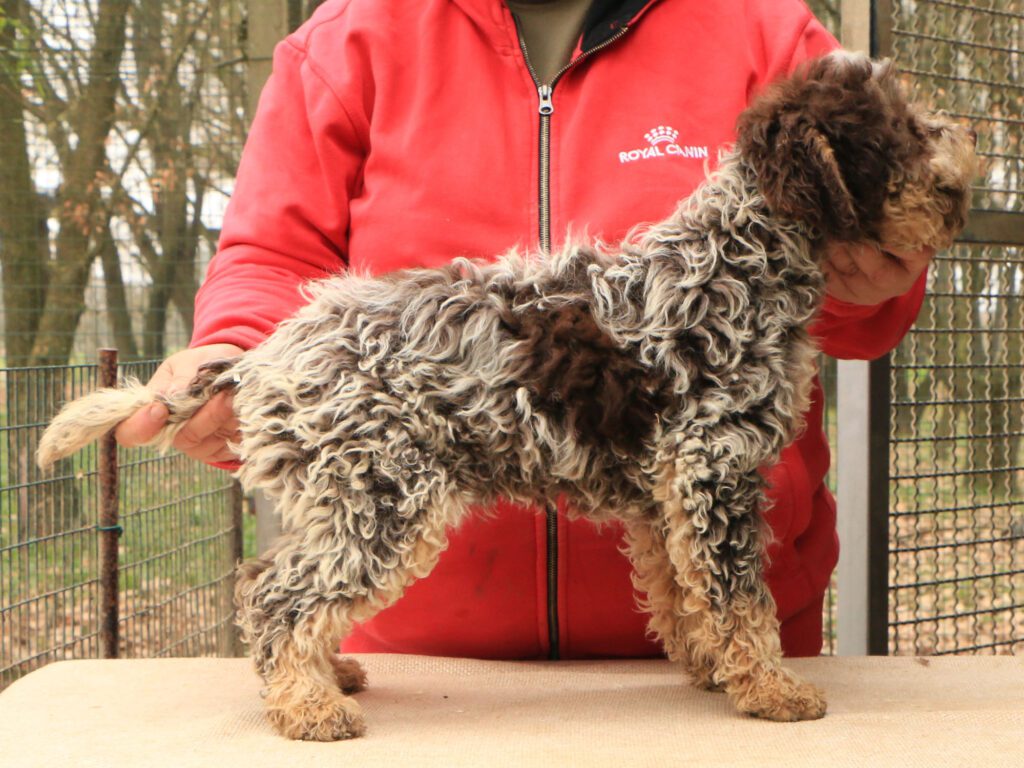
(79, 194)
(185, 283)
(22, 217)
(155, 322)
(48, 504)
(118, 312)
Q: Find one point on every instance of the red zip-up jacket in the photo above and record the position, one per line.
(402, 133)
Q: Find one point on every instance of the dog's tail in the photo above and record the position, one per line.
(87, 419)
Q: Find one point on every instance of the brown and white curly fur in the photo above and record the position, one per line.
(646, 383)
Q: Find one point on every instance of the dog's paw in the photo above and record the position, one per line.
(705, 683)
(703, 679)
(781, 696)
(350, 674)
(323, 716)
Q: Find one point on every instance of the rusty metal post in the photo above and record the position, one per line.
(237, 554)
(237, 509)
(108, 528)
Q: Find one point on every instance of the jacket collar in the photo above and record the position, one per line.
(603, 21)
(606, 17)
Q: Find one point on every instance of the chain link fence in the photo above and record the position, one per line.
(956, 533)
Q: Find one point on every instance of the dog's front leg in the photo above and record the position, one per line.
(715, 540)
(672, 616)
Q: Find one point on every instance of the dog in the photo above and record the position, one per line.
(645, 383)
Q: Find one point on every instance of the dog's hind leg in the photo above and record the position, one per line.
(672, 615)
(297, 604)
(292, 630)
(715, 540)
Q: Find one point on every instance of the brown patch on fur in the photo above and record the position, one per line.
(825, 143)
(578, 374)
(205, 380)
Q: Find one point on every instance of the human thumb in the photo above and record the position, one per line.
(142, 426)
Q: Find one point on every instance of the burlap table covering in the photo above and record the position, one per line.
(966, 711)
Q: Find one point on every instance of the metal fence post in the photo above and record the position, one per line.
(863, 424)
(234, 646)
(108, 527)
(863, 506)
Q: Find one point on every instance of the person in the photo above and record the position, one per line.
(408, 132)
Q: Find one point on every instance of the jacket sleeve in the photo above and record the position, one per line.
(855, 332)
(287, 221)
(786, 35)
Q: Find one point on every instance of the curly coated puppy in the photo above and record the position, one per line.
(646, 382)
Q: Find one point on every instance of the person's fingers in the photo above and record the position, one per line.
(840, 260)
(844, 286)
(845, 275)
(174, 374)
(891, 269)
(178, 371)
(205, 434)
(215, 449)
(881, 269)
(913, 259)
(161, 379)
(863, 273)
(142, 426)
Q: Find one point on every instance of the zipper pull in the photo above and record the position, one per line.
(546, 106)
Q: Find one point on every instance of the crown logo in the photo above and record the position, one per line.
(663, 134)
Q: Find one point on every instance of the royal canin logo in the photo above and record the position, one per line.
(662, 142)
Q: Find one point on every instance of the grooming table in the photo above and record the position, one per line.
(902, 712)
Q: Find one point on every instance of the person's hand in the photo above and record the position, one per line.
(205, 435)
(860, 273)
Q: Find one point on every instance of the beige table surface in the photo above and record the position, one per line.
(903, 712)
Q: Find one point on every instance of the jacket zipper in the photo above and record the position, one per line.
(546, 108)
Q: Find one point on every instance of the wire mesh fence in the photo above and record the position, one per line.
(956, 529)
(179, 540)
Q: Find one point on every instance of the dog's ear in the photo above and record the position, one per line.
(800, 178)
(823, 143)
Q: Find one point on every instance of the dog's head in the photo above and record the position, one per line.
(838, 147)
